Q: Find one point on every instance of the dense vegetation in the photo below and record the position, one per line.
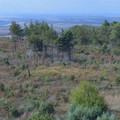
(42, 37)
(108, 33)
(71, 75)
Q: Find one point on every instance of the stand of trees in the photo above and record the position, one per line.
(107, 33)
(42, 37)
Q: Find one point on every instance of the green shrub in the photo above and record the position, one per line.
(64, 77)
(60, 117)
(23, 67)
(10, 94)
(63, 63)
(9, 90)
(107, 116)
(20, 69)
(87, 95)
(6, 61)
(116, 51)
(46, 108)
(116, 69)
(104, 49)
(46, 79)
(65, 98)
(58, 96)
(118, 80)
(14, 112)
(78, 112)
(29, 107)
(39, 116)
(2, 88)
(17, 72)
(22, 107)
(30, 89)
(71, 77)
(96, 66)
(4, 104)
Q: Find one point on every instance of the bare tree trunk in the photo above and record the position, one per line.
(44, 52)
(62, 55)
(52, 54)
(57, 54)
(14, 48)
(69, 54)
(34, 51)
(29, 74)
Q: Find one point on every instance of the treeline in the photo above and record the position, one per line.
(107, 33)
(42, 36)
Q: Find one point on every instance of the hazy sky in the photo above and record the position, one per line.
(60, 6)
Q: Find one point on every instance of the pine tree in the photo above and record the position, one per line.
(65, 43)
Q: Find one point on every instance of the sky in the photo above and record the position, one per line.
(60, 6)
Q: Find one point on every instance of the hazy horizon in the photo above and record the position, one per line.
(60, 13)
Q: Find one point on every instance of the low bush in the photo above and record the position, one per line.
(87, 95)
(78, 112)
(2, 87)
(9, 90)
(39, 116)
(14, 112)
(23, 67)
(46, 79)
(104, 49)
(44, 112)
(116, 51)
(17, 72)
(118, 80)
(6, 61)
(107, 116)
(65, 98)
(29, 107)
(46, 108)
(11, 110)
(71, 77)
(4, 104)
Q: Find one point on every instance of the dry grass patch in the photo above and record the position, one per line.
(58, 70)
(113, 102)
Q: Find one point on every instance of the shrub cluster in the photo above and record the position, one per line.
(87, 104)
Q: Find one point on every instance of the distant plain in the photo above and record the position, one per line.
(58, 21)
